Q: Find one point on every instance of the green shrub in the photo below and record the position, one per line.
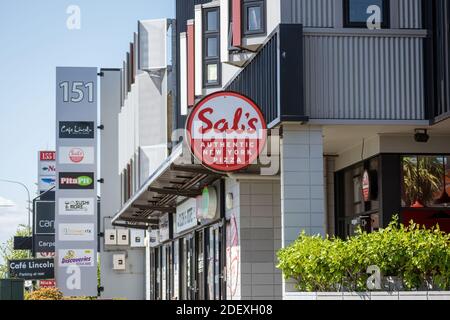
(45, 294)
(419, 257)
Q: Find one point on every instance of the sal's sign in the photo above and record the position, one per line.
(226, 131)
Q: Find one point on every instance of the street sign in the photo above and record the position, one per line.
(46, 170)
(226, 131)
(44, 243)
(23, 243)
(76, 186)
(31, 269)
(47, 283)
(44, 217)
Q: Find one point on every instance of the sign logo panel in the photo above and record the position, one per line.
(76, 232)
(76, 155)
(76, 181)
(76, 130)
(35, 269)
(76, 206)
(76, 257)
(226, 131)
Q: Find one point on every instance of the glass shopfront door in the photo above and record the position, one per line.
(213, 264)
(200, 265)
(187, 268)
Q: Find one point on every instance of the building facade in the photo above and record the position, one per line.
(359, 123)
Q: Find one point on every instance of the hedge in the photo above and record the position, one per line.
(419, 257)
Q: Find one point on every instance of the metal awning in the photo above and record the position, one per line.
(160, 193)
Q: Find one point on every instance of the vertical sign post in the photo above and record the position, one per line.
(76, 185)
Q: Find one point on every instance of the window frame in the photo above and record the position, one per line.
(386, 10)
(207, 60)
(418, 156)
(244, 9)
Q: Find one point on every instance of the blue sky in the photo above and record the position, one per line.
(34, 40)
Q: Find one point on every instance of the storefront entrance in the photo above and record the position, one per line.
(190, 267)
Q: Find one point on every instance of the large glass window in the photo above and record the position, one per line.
(425, 181)
(211, 47)
(254, 17)
(357, 13)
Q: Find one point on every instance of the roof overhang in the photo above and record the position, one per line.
(171, 183)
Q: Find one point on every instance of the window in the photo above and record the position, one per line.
(425, 181)
(211, 48)
(254, 14)
(356, 16)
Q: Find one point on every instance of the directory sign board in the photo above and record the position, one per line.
(76, 181)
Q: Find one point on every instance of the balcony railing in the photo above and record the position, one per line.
(273, 78)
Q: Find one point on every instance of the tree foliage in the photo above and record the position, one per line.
(7, 251)
(419, 257)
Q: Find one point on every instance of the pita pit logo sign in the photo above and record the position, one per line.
(226, 131)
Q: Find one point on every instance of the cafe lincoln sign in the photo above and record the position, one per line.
(226, 131)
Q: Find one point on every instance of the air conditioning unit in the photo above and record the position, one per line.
(110, 237)
(119, 262)
(123, 237)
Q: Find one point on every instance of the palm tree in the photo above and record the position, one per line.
(422, 179)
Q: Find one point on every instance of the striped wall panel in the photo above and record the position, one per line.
(410, 14)
(363, 77)
(310, 13)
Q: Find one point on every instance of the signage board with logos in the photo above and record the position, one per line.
(369, 185)
(46, 183)
(32, 269)
(366, 186)
(207, 205)
(164, 228)
(47, 156)
(76, 130)
(46, 170)
(76, 206)
(76, 155)
(46, 284)
(44, 217)
(23, 243)
(76, 181)
(44, 243)
(76, 232)
(226, 131)
(76, 257)
(186, 217)
(76, 187)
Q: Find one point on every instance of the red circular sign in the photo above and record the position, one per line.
(226, 131)
(366, 186)
(76, 155)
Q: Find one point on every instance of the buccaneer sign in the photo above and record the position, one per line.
(226, 131)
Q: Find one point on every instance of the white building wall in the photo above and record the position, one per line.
(128, 284)
(257, 215)
(302, 184)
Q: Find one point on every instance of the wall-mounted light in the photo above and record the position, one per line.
(421, 136)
